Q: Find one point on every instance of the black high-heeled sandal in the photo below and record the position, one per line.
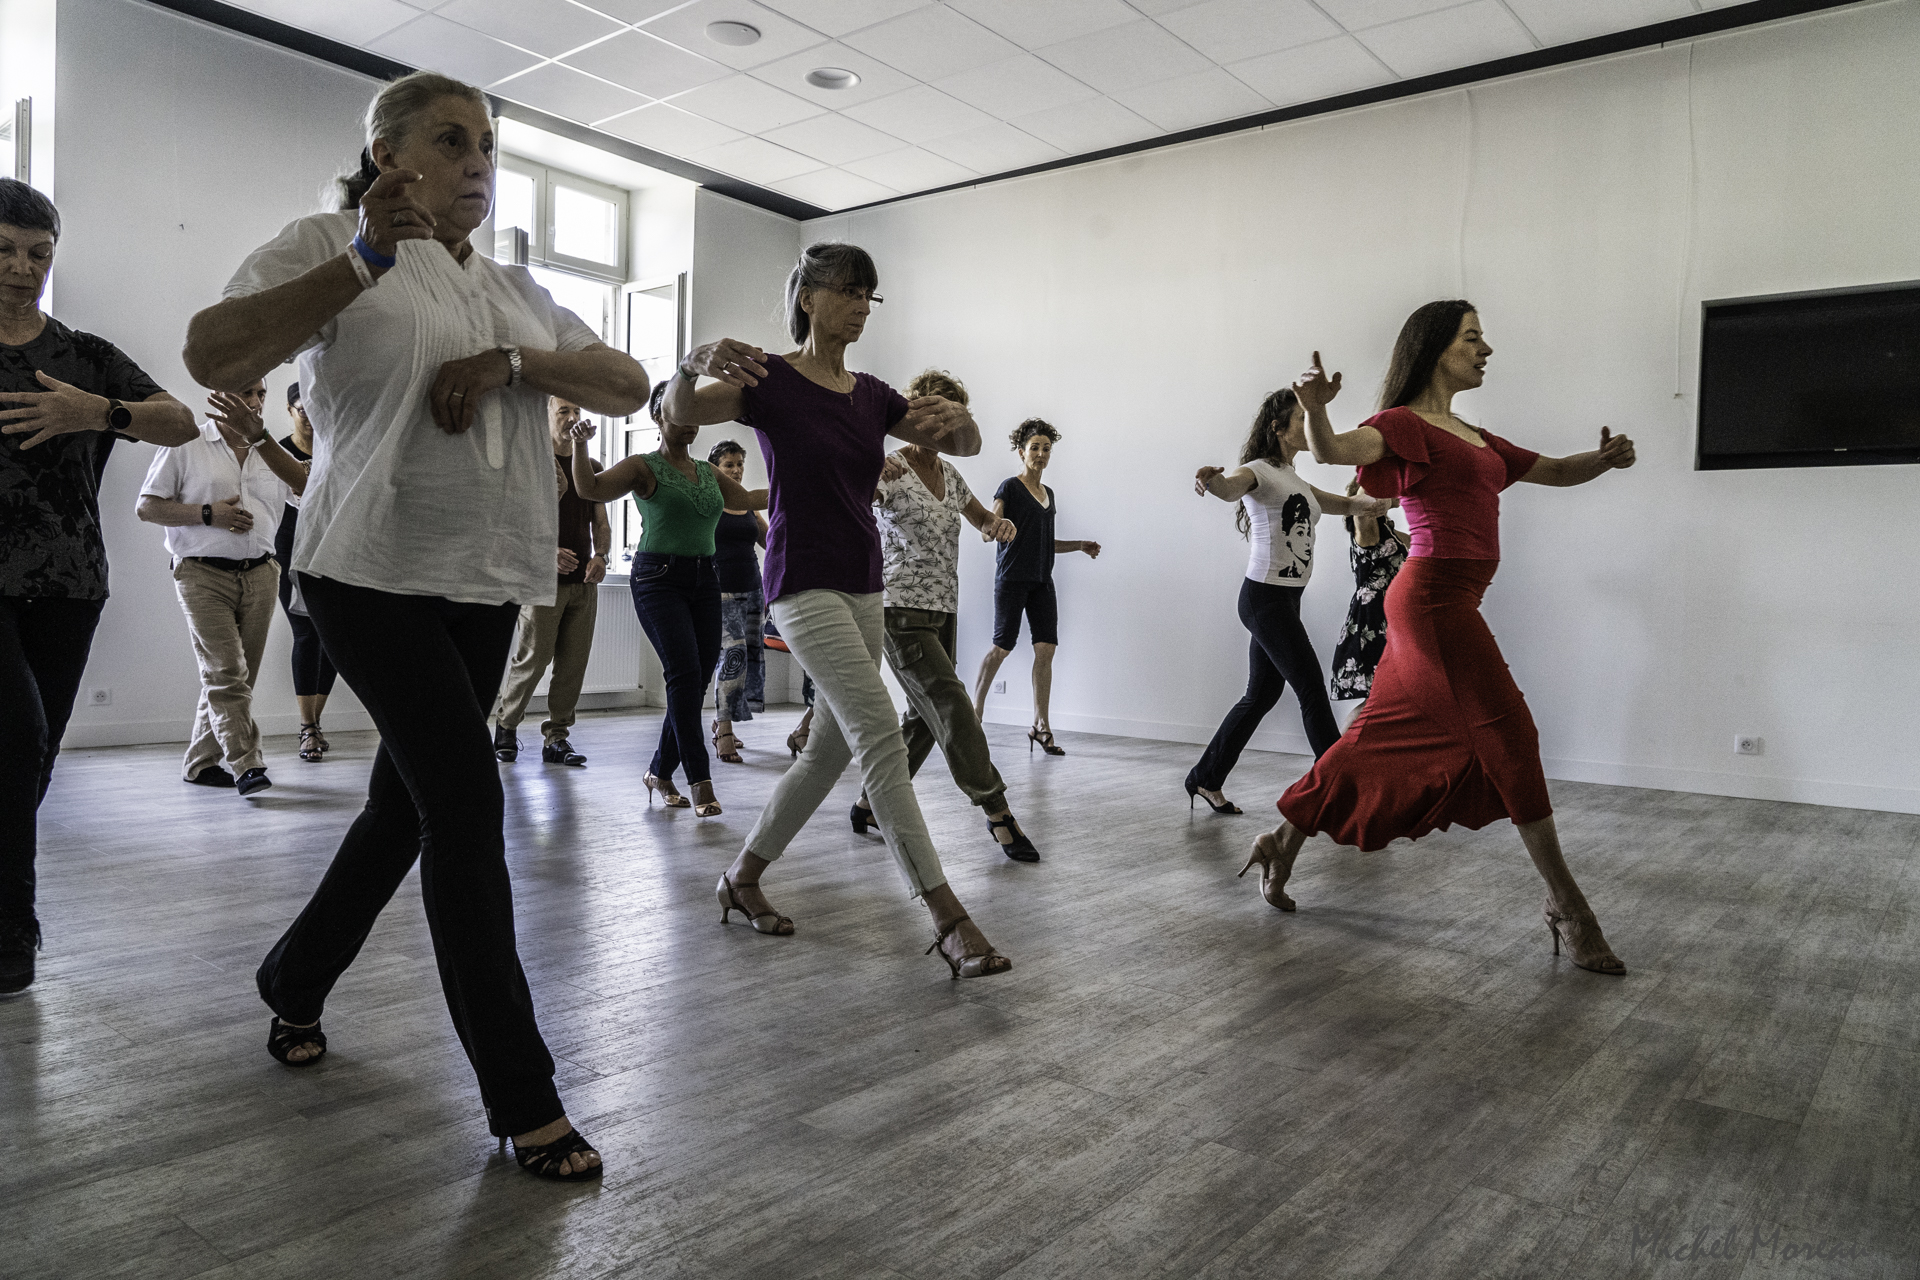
(547, 1159)
(1045, 738)
(980, 966)
(1019, 848)
(310, 740)
(862, 818)
(283, 1040)
(1225, 805)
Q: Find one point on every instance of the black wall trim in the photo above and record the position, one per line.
(379, 68)
(1754, 13)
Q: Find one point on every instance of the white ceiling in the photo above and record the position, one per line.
(950, 90)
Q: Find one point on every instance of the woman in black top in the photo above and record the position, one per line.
(61, 411)
(1378, 551)
(1023, 579)
(313, 672)
(740, 685)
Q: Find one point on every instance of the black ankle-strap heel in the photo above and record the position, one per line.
(283, 1040)
(1019, 848)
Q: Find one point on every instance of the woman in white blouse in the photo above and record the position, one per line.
(428, 521)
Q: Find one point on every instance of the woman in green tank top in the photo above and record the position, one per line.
(675, 590)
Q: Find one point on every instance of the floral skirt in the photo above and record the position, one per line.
(740, 685)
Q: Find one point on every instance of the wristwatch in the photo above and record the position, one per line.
(513, 364)
(206, 513)
(119, 417)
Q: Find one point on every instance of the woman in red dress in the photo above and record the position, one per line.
(1445, 736)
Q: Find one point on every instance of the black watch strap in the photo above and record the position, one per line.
(206, 513)
(119, 417)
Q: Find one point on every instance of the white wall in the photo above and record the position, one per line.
(185, 146)
(1145, 305)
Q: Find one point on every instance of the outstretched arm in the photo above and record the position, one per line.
(1087, 545)
(939, 424)
(629, 475)
(1228, 486)
(1339, 504)
(62, 409)
(1354, 448)
(734, 364)
(993, 527)
(736, 497)
(1564, 473)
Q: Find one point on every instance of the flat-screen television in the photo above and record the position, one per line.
(1825, 379)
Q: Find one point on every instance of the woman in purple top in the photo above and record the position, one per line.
(822, 431)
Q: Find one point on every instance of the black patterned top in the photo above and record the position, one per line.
(1363, 637)
(50, 543)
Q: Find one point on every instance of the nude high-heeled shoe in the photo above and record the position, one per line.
(668, 796)
(1586, 945)
(704, 805)
(768, 921)
(1266, 852)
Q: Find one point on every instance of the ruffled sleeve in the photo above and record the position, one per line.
(1519, 461)
(1405, 436)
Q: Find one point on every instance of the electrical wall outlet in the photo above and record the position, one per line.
(1746, 744)
(999, 686)
(99, 697)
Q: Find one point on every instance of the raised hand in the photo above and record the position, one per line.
(1615, 451)
(1314, 389)
(455, 396)
(388, 214)
(936, 416)
(567, 560)
(1204, 477)
(237, 420)
(892, 469)
(738, 364)
(231, 516)
(60, 410)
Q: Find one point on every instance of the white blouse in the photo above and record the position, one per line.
(1283, 513)
(393, 502)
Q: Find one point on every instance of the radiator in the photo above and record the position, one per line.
(615, 665)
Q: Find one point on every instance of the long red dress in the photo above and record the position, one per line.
(1445, 735)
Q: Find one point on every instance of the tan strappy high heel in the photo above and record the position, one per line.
(1586, 945)
(983, 965)
(768, 921)
(668, 796)
(1266, 853)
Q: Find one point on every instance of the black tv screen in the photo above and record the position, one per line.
(1811, 379)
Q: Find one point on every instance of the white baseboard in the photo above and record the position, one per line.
(1839, 795)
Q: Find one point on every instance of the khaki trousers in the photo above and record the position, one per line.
(560, 633)
(228, 615)
(920, 648)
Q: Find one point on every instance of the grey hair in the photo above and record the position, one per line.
(826, 266)
(23, 207)
(393, 114)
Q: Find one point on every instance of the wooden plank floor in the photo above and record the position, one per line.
(1175, 1080)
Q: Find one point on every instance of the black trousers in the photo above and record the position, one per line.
(678, 601)
(43, 653)
(1280, 654)
(313, 672)
(427, 670)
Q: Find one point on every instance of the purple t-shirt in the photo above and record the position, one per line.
(824, 450)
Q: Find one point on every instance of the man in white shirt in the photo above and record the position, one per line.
(219, 498)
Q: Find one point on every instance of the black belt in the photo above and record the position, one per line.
(232, 566)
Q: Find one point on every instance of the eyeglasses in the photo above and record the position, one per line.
(857, 293)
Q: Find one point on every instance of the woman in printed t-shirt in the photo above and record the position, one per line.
(1023, 578)
(821, 432)
(1445, 735)
(1277, 511)
(429, 520)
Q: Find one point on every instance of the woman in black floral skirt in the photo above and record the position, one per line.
(1377, 553)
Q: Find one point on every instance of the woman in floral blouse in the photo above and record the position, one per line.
(1377, 553)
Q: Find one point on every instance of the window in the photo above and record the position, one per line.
(568, 222)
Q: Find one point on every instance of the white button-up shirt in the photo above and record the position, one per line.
(204, 471)
(393, 502)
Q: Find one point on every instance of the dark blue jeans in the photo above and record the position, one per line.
(43, 652)
(678, 600)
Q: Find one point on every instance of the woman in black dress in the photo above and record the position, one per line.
(1023, 577)
(1377, 553)
(740, 685)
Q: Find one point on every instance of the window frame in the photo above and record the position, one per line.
(547, 180)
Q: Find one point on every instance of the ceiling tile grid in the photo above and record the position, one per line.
(943, 91)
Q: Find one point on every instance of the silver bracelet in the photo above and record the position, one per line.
(360, 269)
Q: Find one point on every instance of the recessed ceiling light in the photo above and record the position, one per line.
(832, 78)
(735, 33)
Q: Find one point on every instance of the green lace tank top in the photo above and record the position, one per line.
(679, 519)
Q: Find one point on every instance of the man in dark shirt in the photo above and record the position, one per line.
(65, 398)
(561, 632)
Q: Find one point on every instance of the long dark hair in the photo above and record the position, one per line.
(1264, 441)
(1425, 336)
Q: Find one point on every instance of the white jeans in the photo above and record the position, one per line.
(837, 638)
